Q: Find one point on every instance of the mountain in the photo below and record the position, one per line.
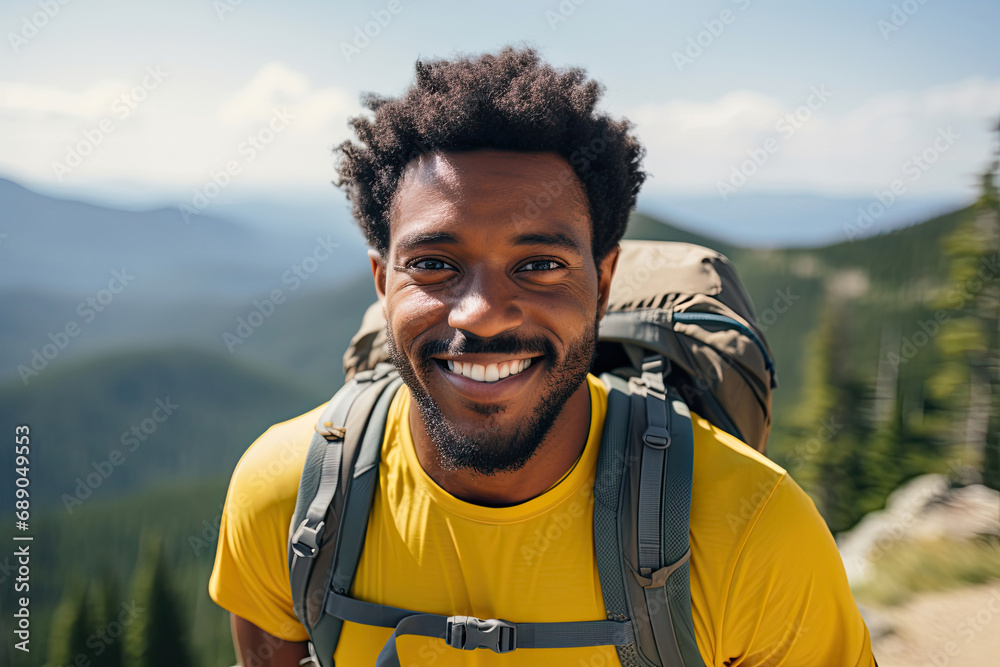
(795, 219)
(71, 247)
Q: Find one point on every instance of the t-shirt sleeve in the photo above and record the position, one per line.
(789, 602)
(250, 577)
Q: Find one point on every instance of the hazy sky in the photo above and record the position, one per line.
(710, 85)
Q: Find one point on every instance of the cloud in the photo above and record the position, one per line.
(188, 129)
(26, 98)
(275, 86)
(838, 146)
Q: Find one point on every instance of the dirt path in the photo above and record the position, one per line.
(959, 628)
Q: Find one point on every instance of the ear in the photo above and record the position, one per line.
(607, 268)
(378, 273)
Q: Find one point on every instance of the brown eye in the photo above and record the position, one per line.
(432, 265)
(542, 265)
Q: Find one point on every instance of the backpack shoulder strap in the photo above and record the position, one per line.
(347, 443)
(642, 499)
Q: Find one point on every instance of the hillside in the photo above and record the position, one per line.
(102, 540)
(168, 413)
(71, 247)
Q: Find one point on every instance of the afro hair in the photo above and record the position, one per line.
(511, 101)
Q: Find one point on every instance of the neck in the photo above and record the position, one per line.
(557, 453)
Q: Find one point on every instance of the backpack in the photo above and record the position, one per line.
(679, 335)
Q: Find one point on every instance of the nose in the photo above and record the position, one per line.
(487, 306)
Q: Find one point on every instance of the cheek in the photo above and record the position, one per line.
(411, 313)
(568, 307)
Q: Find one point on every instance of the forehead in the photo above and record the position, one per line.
(496, 193)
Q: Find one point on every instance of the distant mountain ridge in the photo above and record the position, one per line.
(70, 247)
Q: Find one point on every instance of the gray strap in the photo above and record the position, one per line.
(468, 633)
(656, 439)
(354, 523)
(306, 540)
(676, 593)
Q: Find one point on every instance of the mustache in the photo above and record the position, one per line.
(506, 343)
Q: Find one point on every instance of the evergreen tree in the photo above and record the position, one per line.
(70, 628)
(968, 377)
(158, 636)
(106, 608)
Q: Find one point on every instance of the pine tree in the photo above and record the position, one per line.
(70, 628)
(968, 378)
(106, 606)
(158, 636)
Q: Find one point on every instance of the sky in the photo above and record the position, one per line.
(144, 99)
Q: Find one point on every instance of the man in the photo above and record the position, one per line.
(493, 198)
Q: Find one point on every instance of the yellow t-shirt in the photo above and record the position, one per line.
(767, 583)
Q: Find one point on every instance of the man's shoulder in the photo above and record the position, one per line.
(733, 483)
(268, 473)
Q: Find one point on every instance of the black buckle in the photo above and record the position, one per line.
(469, 633)
(305, 541)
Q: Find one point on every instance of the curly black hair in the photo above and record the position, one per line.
(511, 101)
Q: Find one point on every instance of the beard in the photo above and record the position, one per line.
(492, 446)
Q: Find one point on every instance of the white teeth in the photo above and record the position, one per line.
(488, 372)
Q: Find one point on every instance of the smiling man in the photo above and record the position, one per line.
(493, 198)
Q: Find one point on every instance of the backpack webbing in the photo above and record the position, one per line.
(649, 608)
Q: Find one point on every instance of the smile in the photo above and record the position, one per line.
(488, 372)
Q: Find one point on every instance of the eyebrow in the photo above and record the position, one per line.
(556, 239)
(415, 240)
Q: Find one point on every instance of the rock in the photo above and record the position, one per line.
(923, 508)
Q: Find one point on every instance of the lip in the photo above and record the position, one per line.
(490, 392)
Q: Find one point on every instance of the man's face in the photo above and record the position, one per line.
(492, 300)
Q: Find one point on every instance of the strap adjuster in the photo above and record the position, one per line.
(469, 633)
(305, 541)
(656, 437)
